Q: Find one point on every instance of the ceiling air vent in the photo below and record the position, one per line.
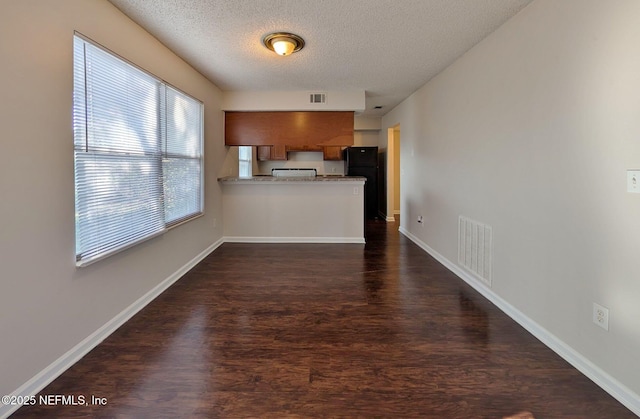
(317, 98)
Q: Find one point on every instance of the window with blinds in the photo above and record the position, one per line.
(245, 161)
(137, 152)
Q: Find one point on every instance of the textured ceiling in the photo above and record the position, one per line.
(388, 48)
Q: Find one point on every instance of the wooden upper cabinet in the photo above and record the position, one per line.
(302, 129)
(264, 152)
(332, 153)
(278, 152)
(268, 152)
(303, 147)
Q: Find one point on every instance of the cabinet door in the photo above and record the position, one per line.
(268, 152)
(278, 152)
(264, 153)
(332, 153)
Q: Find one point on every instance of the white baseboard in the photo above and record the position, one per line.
(243, 239)
(60, 365)
(617, 390)
(387, 218)
(609, 384)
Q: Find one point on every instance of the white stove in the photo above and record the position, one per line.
(294, 172)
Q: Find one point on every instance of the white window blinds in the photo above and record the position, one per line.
(182, 157)
(245, 154)
(138, 154)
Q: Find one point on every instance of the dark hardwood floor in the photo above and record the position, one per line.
(325, 330)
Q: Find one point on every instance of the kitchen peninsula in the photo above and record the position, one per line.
(314, 209)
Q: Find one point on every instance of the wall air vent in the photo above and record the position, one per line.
(317, 98)
(475, 248)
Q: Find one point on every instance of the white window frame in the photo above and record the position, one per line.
(102, 226)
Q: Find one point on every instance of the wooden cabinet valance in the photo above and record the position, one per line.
(278, 152)
(294, 129)
(332, 153)
(268, 152)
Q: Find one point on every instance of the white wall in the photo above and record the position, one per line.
(532, 132)
(368, 138)
(367, 123)
(297, 100)
(303, 160)
(294, 211)
(47, 305)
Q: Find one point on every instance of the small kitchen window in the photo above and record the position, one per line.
(245, 161)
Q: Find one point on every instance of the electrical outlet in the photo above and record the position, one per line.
(601, 316)
(420, 219)
(633, 181)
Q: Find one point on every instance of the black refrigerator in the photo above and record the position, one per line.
(363, 161)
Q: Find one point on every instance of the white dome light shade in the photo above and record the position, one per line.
(283, 43)
(283, 46)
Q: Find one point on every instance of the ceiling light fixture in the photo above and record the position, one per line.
(283, 43)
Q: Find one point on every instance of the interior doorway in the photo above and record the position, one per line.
(393, 173)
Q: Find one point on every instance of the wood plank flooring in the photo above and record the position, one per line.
(325, 330)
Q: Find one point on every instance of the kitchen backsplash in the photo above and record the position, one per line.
(303, 160)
